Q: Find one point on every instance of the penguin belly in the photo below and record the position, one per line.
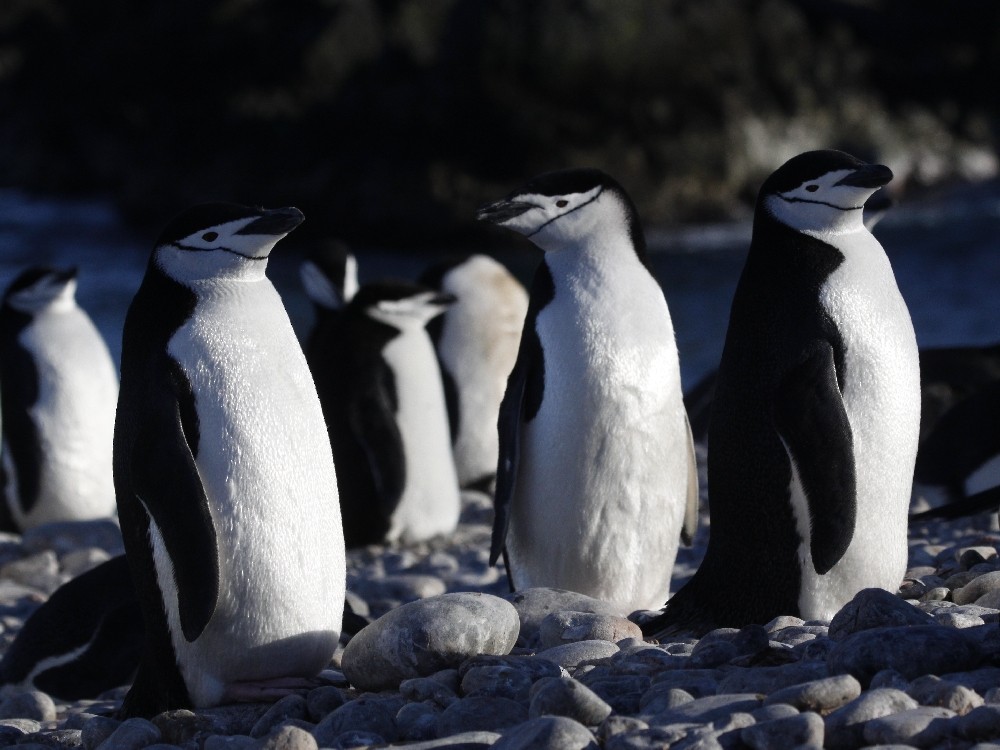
(430, 502)
(265, 461)
(600, 491)
(881, 393)
(74, 417)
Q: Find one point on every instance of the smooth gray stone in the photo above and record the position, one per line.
(534, 666)
(622, 692)
(920, 727)
(61, 739)
(478, 714)
(425, 636)
(547, 733)
(804, 729)
(698, 682)
(417, 721)
(403, 587)
(981, 723)
(768, 679)
(28, 704)
(652, 738)
(845, 726)
(772, 711)
(709, 709)
(571, 654)
(534, 605)
(976, 588)
(821, 696)
(564, 696)
(465, 740)
(616, 724)
(874, 608)
(289, 738)
(237, 718)
(889, 678)
(564, 627)
(230, 742)
(428, 689)
(359, 738)
(958, 620)
(322, 701)
(931, 690)
(39, 571)
(96, 730)
(981, 680)
(367, 713)
(912, 651)
(132, 734)
(496, 681)
(79, 561)
(289, 707)
(660, 698)
(180, 726)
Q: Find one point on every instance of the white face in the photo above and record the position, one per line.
(554, 221)
(409, 312)
(48, 291)
(218, 252)
(821, 205)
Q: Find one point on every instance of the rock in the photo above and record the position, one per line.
(289, 738)
(616, 724)
(931, 690)
(874, 608)
(622, 692)
(367, 713)
(180, 726)
(96, 730)
(289, 707)
(768, 679)
(38, 571)
(821, 696)
(322, 701)
(230, 742)
(709, 709)
(480, 714)
(804, 729)
(131, 734)
(920, 727)
(430, 689)
(845, 726)
(571, 654)
(463, 740)
(534, 666)
(534, 605)
(28, 704)
(422, 637)
(698, 682)
(564, 696)
(62, 537)
(495, 681)
(661, 698)
(981, 723)
(910, 650)
(547, 733)
(976, 588)
(81, 560)
(417, 721)
(561, 627)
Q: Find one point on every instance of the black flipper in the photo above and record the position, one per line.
(811, 419)
(373, 421)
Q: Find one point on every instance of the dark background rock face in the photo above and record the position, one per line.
(390, 120)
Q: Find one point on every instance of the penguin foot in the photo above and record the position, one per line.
(266, 690)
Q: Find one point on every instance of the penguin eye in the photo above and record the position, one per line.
(210, 236)
(562, 203)
(812, 188)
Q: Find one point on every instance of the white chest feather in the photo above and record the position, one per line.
(603, 475)
(881, 393)
(74, 416)
(266, 464)
(430, 501)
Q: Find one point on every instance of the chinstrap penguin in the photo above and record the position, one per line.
(476, 341)
(596, 475)
(384, 404)
(816, 412)
(226, 488)
(59, 388)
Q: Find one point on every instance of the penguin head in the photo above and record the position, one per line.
(821, 191)
(400, 304)
(568, 208)
(330, 276)
(41, 287)
(222, 240)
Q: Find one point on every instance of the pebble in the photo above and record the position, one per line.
(422, 637)
(821, 696)
(564, 696)
(534, 605)
(793, 731)
(560, 627)
(910, 650)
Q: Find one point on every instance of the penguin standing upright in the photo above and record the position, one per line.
(476, 341)
(59, 389)
(816, 412)
(596, 461)
(384, 405)
(226, 487)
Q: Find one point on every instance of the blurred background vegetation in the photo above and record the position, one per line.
(390, 120)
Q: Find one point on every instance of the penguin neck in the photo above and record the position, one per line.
(206, 270)
(819, 220)
(597, 256)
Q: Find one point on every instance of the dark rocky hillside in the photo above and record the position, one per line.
(390, 120)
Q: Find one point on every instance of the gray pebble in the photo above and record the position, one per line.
(571, 654)
(768, 679)
(698, 682)
(28, 704)
(982, 723)
(771, 711)
(976, 588)
(417, 721)
(874, 608)
(79, 561)
(654, 738)
(428, 689)
(778, 734)
(547, 733)
(708, 709)
(561, 627)
(495, 681)
(564, 696)
(180, 725)
(289, 707)
(428, 635)
(322, 701)
(24, 726)
(289, 738)
(238, 718)
(480, 714)
(821, 696)
(936, 594)
(39, 571)
(367, 713)
(912, 651)
(132, 734)
(534, 666)
(957, 620)
(230, 742)
(534, 605)
(931, 690)
(622, 692)
(360, 738)
(845, 726)
(464, 740)
(662, 697)
(62, 537)
(98, 729)
(617, 724)
(922, 727)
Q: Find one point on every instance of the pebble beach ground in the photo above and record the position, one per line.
(454, 661)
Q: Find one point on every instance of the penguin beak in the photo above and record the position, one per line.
(277, 222)
(502, 211)
(868, 176)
